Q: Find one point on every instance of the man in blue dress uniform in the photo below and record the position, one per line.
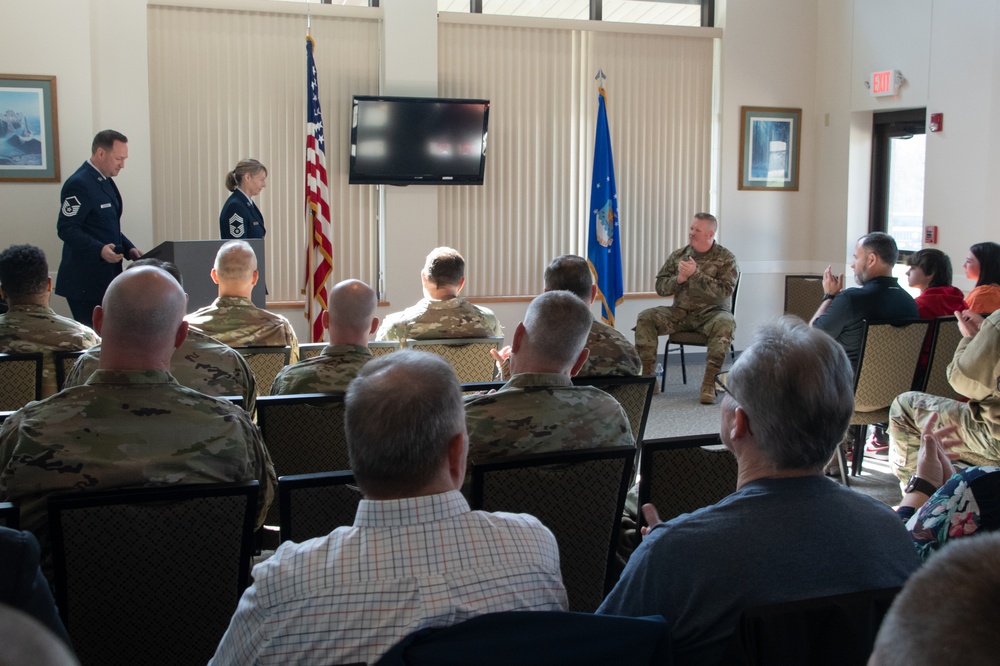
(90, 227)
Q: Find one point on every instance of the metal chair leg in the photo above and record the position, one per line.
(684, 372)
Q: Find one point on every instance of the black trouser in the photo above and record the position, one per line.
(83, 310)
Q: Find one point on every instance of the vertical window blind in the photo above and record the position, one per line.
(226, 84)
(534, 203)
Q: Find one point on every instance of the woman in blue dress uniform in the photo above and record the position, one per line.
(240, 218)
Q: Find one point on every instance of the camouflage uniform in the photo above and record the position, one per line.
(701, 304)
(201, 363)
(542, 412)
(440, 320)
(974, 372)
(237, 322)
(611, 354)
(25, 329)
(332, 370)
(127, 429)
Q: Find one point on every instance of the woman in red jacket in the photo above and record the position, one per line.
(930, 272)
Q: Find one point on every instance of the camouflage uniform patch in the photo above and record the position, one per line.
(539, 413)
(701, 304)
(25, 329)
(124, 429)
(440, 320)
(332, 370)
(201, 363)
(237, 322)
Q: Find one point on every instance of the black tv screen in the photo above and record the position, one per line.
(418, 140)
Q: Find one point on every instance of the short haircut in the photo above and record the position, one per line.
(243, 167)
(352, 305)
(797, 388)
(235, 261)
(988, 256)
(570, 273)
(557, 324)
(444, 267)
(402, 410)
(24, 271)
(143, 308)
(881, 245)
(106, 139)
(708, 217)
(167, 266)
(933, 263)
(947, 610)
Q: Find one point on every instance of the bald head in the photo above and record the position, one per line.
(553, 335)
(142, 318)
(351, 316)
(235, 269)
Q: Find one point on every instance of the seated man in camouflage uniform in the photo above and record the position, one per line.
(610, 352)
(233, 318)
(701, 277)
(441, 314)
(30, 325)
(201, 362)
(131, 424)
(350, 320)
(540, 410)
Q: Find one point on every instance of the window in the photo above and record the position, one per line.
(897, 193)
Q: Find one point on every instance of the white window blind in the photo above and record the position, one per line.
(533, 205)
(226, 84)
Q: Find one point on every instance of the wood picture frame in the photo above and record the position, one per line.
(29, 129)
(769, 148)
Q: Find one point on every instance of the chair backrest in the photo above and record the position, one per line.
(890, 352)
(310, 349)
(65, 360)
(839, 630)
(383, 347)
(947, 335)
(538, 638)
(470, 357)
(803, 294)
(266, 363)
(579, 495)
(151, 575)
(313, 505)
(683, 474)
(304, 434)
(20, 379)
(634, 394)
(10, 515)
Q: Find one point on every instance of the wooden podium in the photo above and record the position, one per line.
(195, 259)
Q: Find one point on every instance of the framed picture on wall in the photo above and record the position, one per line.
(769, 148)
(29, 129)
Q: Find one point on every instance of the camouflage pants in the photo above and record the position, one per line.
(717, 325)
(907, 417)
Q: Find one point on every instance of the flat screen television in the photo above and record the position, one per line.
(418, 140)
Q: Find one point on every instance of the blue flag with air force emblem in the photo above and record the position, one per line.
(604, 247)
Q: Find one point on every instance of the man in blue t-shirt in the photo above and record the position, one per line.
(843, 311)
(787, 533)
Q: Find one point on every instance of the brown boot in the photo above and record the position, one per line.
(708, 383)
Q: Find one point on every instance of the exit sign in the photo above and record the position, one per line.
(884, 83)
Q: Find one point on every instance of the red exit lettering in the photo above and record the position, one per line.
(880, 82)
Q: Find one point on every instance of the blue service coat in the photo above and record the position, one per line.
(89, 218)
(240, 219)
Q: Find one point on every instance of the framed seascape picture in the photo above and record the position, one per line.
(29, 129)
(769, 148)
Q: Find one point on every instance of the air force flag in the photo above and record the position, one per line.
(604, 249)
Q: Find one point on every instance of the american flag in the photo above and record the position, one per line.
(319, 259)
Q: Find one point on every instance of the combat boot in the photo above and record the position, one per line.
(708, 383)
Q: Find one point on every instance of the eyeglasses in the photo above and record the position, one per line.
(720, 384)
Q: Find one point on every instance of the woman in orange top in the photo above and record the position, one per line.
(983, 266)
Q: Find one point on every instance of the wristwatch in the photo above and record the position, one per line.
(829, 297)
(919, 485)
